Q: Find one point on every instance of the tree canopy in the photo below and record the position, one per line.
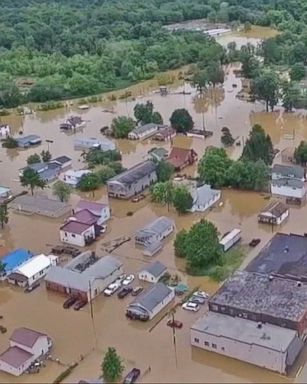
(61, 190)
(300, 153)
(121, 126)
(258, 146)
(182, 199)
(266, 87)
(112, 366)
(31, 178)
(181, 120)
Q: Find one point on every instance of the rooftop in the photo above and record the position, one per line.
(15, 258)
(152, 296)
(285, 255)
(42, 205)
(144, 128)
(135, 173)
(15, 356)
(28, 139)
(289, 170)
(178, 156)
(246, 331)
(258, 293)
(276, 208)
(85, 216)
(77, 173)
(35, 265)
(204, 194)
(158, 226)
(90, 205)
(61, 159)
(288, 182)
(4, 190)
(26, 336)
(76, 227)
(156, 268)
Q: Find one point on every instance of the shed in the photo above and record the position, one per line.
(155, 231)
(153, 272)
(274, 213)
(204, 198)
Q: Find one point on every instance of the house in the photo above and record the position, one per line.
(40, 205)
(5, 193)
(132, 181)
(26, 346)
(28, 141)
(265, 345)
(291, 189)
(157, 154)
(152, 248)
(153, 272)
(274, 213)
(165, 133)
(62, 161)
(85, 276)
(204, 198)
(47, 171)
(201, 133)
(13, 260)
(73, 123)
(101, 210)
(147, 305)
(92, 143)
(263, 298)
(5, 130)
(180, 158)
(32, 270)
(143, 131)
(287, 155)
(78, 233)
(72, 177)
(295, 172)
(155, 231)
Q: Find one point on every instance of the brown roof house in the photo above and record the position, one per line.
(274, 213)
(181, 157)
(26, 346)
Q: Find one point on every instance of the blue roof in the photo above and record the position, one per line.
(15, 258)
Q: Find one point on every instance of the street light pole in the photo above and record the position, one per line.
(49, 142)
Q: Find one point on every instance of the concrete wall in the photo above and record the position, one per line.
(75, 239)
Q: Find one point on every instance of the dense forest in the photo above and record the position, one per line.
(71, 48)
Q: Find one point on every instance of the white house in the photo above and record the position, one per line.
(147, 305)
(143, 131)
(26, 346)
(72, 177)
(268, 346)
(101, 210)
(93, 143)
(155, 231)
(32, 270)
(289, 188)
(280, 171)
(204, 198)
(274, 213)
(5, 193)
(4, 130)
(153, 272)
(76, 233)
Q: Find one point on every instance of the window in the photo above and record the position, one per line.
(214, 307)
(213, 345)
(73, 235)
(196, 340)
(245, 315)
(222, 348)
(207, 344)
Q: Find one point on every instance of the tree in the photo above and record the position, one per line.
(121, 126)
(112, 366)
(300, 153)
(89, 182)
(250, 66)
(31, 179)
(297, 72)
(247, 26)
(105, 173)
(61, 190)
(162, 193)
(266, 87)
(2, 267)
(4, 217)
(258, 146)
(248, 175)
(9, 142)
(200, 80)
(143, 112)
(213, 166)
(46, 156)
(181, 120)
(227, 138)
(164, 171)
(290, 96)
(199, 246)
(215, 73)
(99, 157)
(182, 199)
(157, 118)
(33, 159)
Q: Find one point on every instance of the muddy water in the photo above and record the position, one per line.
(74, 333)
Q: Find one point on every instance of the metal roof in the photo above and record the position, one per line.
(204, 194)
(144, 128)
(135, 173)
(28, 139)
(40, 204)
(36, 264)
(275, 208)
(61, 159)
(245, 331)
(152, 296)
(26, 336)
(289, 170)
(156, 227)
(15, 356)
(156, 268)
(92, 206)
(76, 227)
(15, 258)
(287, 182)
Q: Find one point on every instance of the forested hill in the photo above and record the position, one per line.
(80, 47)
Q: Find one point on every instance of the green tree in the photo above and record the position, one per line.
(297, 72)
(105, 173)
(226, 138)
(180, 243)
(112, 366)
(181, 120)
(258, 146)
(248, 175)
(33, 159)
(4, 217)
(215, 73)
(250, 66)
(46, 156)
(61, 190)
(162, 193)
(290, 96)
(157, 118)
(99, 157)
(121, 126)
(164, 171)
(144, 112)
(89, 182)
(300, 153)
(200, 80)
(266, 87)
(182, 199)
(2, 267)
(9, 142)
(247, 26)
(31, 179)
(213, 166)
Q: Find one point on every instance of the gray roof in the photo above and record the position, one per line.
(61, 159)
(257, 293)
(135, 173)
(27, 139)
(69, 276)
(156, 268)
(150, 298)
(156, 227)
(40, 205)
(245, 331)
(284, 255)
(287, 182)
(289, 170)
(275, 208)
(204, 194)
(144, 128)
(38, 167)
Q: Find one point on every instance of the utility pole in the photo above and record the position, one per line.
(92, 315)
(174, 336)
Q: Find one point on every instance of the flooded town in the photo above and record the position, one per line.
(126, 221)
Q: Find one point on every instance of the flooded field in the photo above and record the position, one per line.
(74, 333)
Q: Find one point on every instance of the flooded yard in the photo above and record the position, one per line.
(76, 336)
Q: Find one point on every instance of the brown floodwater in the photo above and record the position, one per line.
(74, 333)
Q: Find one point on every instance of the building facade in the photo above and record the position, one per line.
(156, 231)
(76, 233)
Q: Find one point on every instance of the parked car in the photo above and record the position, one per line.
(120, 279)
(69, 302)
(132, 376)
(254, 242)
(80, 304)
(203, 294)
(136, 291)
(138, 198)
(190, 306)
(129, 279)
(174, 323)
(32, 287)
(124, 292)
(198, 300)
(112, 288)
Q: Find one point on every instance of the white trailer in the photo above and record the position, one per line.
(230, 239)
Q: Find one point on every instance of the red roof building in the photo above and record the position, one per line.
(181, 158)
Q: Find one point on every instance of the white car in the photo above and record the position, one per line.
(103, 229)
(189, 306)
(201, 294)
(129, 279)
(112, 288)
(120, 279)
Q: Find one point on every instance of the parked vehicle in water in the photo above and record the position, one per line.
(80, 304)
(190, 306)
(136, 291)
(132, 376)
(198, 300)
(128, 280)
(124, 292)
(174, 323)
(254, 242)
(203, 294)
(32, 287)
(111, 289)
(138, 198)
(69, 302)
